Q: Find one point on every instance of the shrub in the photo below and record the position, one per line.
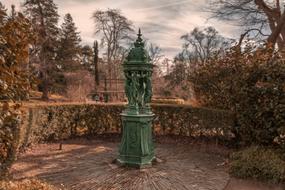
(15, 36)
(258, 163)
(9, 138)
(251, 84)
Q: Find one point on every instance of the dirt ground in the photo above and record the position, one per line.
(87, 165)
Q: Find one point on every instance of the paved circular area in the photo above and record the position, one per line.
(87, 165)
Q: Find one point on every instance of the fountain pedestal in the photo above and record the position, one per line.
(136, 147)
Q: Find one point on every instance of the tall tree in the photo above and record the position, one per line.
(198, 47)
(114, 29)
(95, 61)
(69, 49)
(261, 16)
(44, 17)
(201, 44)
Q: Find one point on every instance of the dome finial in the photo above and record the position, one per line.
(139, 41)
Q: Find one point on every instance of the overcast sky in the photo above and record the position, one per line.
(161, 21)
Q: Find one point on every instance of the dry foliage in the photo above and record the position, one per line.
(25, 185)
(79, 85)
(167, 100)
(9, 138)
(15, 35)
(14, 82)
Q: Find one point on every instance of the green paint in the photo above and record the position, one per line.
(136, 147)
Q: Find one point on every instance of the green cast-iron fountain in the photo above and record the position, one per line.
(136, 148)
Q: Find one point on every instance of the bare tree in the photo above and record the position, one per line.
(114, 29)
(201, 44)
(155, 53)
(262, 15)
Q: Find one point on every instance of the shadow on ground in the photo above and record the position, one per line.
(87, 165)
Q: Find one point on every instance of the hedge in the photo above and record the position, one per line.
(58, 122)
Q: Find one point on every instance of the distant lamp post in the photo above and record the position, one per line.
(136, 148)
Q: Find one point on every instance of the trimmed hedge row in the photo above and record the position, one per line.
(57, 122)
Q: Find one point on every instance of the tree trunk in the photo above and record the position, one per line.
(45, 90)
(275, 35)
(276, 22)
(96, 59)
(116, 82)
(45, 82)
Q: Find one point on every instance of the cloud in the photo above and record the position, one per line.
(174, 5)
(162, 21)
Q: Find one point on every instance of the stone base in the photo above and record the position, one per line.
(136, 148)
(135, 164)
(155, 161)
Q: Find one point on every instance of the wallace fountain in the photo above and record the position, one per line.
(136, 148)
